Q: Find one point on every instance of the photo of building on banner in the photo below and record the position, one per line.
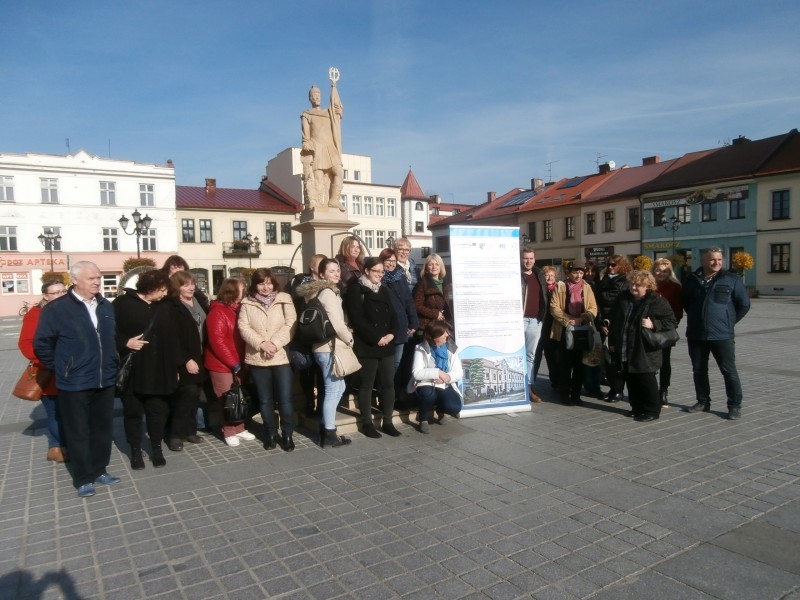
(487, 309)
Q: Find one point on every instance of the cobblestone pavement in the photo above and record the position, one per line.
(561, 502)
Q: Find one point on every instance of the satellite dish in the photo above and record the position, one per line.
(611, 164)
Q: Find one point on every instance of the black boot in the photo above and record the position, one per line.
(287, 442)
(175, 444)
(369, 430)
(157, 456)
(329, 438)
(389, 429)
(271, 442)
(137, 460)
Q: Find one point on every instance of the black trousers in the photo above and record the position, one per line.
(370, 367)
(87, 420)
(183, 417)
(155, 408)
(570, 377)
(643, 393)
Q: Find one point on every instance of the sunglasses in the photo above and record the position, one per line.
(612, 264)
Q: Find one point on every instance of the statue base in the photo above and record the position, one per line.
(322, 230)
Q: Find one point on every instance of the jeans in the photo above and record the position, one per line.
(334, 388)
(533, 331)
(445, 400)
(274, 385)
(87, 421)
(724, 352)
(54, 436)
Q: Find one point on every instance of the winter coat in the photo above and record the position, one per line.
(372, 316)
(543, 306)
(224, 352)
(428, 301)
(672, 292)
(606, 292)
(275, 324)
(558, 308)
(328, 294)
(639, 358)
(712, 312)
(188, 339)
(404, 308)
(349, 273)
(68, 344)
(155, 366)
(29, 323)
(424, 370)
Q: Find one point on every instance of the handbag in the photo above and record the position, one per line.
(235, 403)
(31, 383)
(580, 337)
(125, 369)
(345, 361)
(658, 340)
(594, 357)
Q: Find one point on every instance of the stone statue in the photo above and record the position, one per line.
(321, 153)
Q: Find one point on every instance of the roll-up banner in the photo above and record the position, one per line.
(487, 309)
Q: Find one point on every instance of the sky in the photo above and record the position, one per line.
(473, 96)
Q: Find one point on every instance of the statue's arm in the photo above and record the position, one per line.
(308, 143)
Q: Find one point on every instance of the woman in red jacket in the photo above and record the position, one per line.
(224, 353)
(668, 287)
(50, 291)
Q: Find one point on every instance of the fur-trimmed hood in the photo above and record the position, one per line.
(311, 289)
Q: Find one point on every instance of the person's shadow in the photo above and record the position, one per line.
(20, 584)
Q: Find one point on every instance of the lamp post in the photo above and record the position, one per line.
(48, 240)
(672, 224)
(140, 226)
(390, 242)
(251, 241)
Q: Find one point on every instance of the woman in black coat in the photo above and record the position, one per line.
(637, 308)
(189, 318)
(374, 322)
(606, 291)
(154, 373)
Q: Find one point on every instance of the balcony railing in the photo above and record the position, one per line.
(241, 249)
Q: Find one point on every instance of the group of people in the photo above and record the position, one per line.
(619, 306)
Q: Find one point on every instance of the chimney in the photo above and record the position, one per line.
(170, 164)
(651, 160)
(604, 168)
(491, 196)
(435, 199)
(211, 184)
(536, 183)
(739, 140)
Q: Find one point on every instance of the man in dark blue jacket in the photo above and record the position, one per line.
(75, 340)
(714, 301)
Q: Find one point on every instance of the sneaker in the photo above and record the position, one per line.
(86, 490)
(441, 418)
(246, 436)
(232, 441)
(106, 479)
(424, 427)
(735, 413)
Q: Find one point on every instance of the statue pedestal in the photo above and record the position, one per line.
(322, 230)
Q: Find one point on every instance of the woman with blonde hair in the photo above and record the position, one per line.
(668, 287)
(432, 292)
(351, 260)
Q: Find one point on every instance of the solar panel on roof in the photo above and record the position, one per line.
(520, 198)
(572, 182)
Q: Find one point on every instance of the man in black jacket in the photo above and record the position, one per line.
(75, 340)
(534, 306)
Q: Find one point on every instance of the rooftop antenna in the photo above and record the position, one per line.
(597, 159)
(66, 140)
(550, 170)
(109, 147)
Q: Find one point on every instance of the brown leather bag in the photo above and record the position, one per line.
(31, 383)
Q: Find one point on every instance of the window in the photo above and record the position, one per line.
(379, 203)
(187, 229)
(736, 208)
(418, 206)
(239, 230)
(49, 191)
(16, 283)
(608, 221)
(393, 235)
(108, 193)
(205, 231)
(110, 239)
(708, 211)
(419, 227)
(272, 233)
(110, 285)
(779, 254)
(591, 224)
(380, 239)
(358, 233)
(548, 230)
(532, 231)
(633, 218)
(369, 238)
(356, 175)
(356, 206)
(659, 216)
(390, 209)
(147, 194)
(367, 206)
(684, 213)
(149, 240)
(8, 238)
(6, 189)
(56, 243)
(346, 174)
(569, 227)
(780, 204)
(286, 233)
(443, 244)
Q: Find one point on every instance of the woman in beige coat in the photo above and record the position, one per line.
(266, 324)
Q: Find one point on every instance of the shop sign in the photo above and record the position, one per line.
(661, 245)
(598, 251)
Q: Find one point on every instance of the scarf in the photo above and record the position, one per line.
(439, 355)
(364, 280)
(552, 286)
(265, 301)
(406, 269)
(392, 276)
(575, 300)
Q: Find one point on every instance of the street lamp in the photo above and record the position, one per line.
(672, 224)
(48, 240)
(251, 241)
(390, 241)
(140, 226)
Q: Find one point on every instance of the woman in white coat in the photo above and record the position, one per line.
(436, 372)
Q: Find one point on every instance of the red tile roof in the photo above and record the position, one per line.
(268, 198)
(411, 188)
(627, 181)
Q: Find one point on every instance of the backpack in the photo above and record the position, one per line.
(313, 325)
